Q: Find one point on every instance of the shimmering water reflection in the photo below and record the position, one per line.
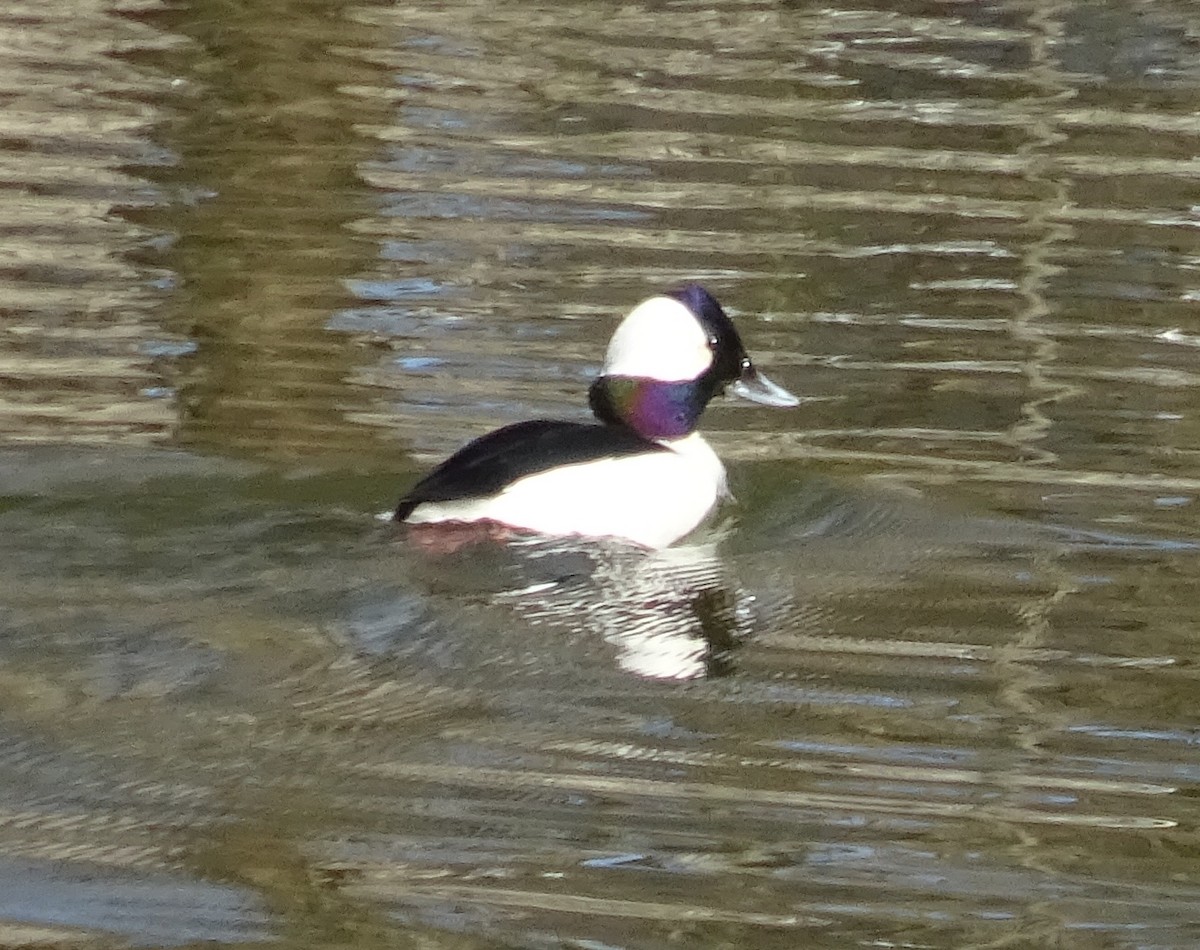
(929, 682)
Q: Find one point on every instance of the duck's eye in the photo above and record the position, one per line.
(712, 341)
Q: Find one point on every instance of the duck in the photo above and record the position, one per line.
(641, 473)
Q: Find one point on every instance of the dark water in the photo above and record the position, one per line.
(930, 683)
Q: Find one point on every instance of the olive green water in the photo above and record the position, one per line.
(930, 683)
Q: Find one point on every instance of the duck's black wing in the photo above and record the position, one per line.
(485, 466)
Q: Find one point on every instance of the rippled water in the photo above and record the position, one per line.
(930, 683)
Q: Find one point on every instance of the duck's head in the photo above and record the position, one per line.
(668, 358)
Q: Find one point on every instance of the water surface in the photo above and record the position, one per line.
(930, 682)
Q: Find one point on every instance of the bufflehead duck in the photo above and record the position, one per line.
(643, 474)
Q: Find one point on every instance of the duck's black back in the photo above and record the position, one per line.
(484, 467)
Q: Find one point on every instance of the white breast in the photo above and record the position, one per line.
(652, 499)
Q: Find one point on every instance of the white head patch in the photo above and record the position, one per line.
(659, 339)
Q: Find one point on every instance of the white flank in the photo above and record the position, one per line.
(652, 499)
(659, 339)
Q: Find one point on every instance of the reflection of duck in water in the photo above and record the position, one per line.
(671, 614)
(643, 475)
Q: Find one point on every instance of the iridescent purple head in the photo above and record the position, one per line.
(668, 358)
(651, 408)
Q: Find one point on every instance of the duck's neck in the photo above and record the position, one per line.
(653, 409)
